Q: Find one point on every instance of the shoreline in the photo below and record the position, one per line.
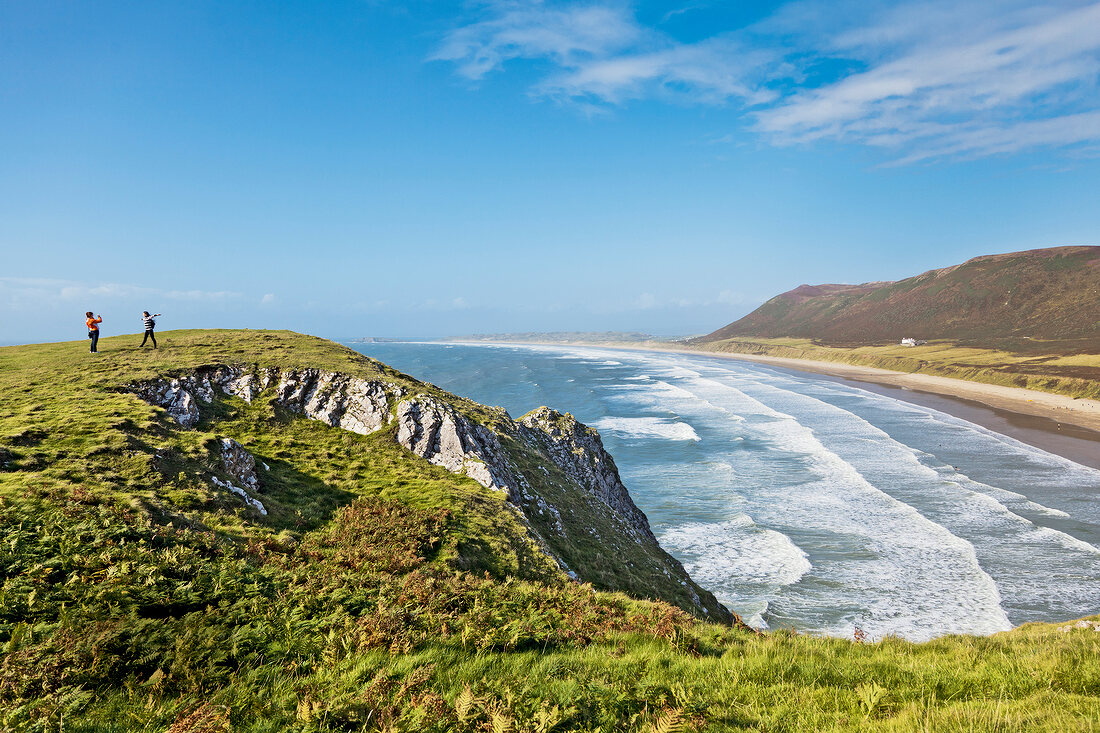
(1055, 423)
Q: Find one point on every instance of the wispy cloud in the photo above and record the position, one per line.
(647, 301)
(569, 36)
(923, 79)
(956, 80)
(33, 292)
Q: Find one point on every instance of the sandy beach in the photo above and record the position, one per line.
(1061, 425)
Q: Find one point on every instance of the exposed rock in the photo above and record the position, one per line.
(338, 400)
(254, 503)
(437, 432)
(175, 398)
(241, 384)
(561, 457)
(579, 452)
(239, 463)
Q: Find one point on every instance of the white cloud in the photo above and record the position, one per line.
(947, 81)
(647, 301)
(601, 50)
(730, 297)
(268, 299)
(923, 79)
(33, 293)
(565, 35)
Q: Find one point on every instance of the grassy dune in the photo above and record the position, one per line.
(384, 593)
(1075, 375)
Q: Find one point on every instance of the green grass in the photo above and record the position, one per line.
(1076, 375)
(1050, 295)
(384, 593)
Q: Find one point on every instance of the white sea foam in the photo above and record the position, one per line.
(1004, 541)
(738, 550)
(918, 578)
(662, 395)
(647, 427)
(900, 540)
(722, 555)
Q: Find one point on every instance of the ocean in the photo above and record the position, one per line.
(808, 503)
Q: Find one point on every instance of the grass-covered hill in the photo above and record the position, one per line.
(1007, 300)
(235, 562)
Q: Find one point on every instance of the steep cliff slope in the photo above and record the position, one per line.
(256, 531)
(1043, 295)
(553, 470)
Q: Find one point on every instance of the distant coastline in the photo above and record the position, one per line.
(1055, 423)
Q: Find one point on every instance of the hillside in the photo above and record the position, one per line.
(263, 531)
(1007, 300)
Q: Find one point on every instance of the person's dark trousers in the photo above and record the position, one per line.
(149, 335)
(94, 336)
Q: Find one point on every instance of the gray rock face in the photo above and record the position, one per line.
(254, 503)
(425, 425)
(437, 432)
(337, 400)
(175, 398)
(579, 452)
(239, 463)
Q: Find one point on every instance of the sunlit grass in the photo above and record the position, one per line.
(384, 593)
(1047, 372)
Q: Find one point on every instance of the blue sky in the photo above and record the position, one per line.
(439, 168)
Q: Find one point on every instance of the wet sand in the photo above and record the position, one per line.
(1055, 423)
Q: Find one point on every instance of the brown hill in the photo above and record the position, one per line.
(1042, 294)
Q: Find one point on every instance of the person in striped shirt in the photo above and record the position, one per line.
(150, 324)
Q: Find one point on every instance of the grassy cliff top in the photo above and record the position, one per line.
(67, 367)
(384, 593)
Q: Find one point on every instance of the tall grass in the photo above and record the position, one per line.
(383, 593)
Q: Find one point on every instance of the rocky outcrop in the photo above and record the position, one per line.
(338, 400)
(175, 397)
(240, 466)
(568, 492)
(248, 499)
(239, 463)
(436, 431)
(578, 451)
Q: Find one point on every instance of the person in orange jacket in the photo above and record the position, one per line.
(93, 330)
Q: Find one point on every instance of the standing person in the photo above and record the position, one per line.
(150, 324)
(93, 330)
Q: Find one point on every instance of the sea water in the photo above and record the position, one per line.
(807, 503)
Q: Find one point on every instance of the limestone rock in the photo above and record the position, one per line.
(175, 398)
(239, 463)
(254, 503)
(578, 451)
(439, 433)
(338, 400)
